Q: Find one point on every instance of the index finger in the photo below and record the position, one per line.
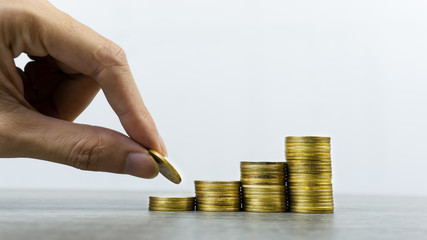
(86, 51)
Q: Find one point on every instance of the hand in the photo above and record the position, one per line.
(71, 63)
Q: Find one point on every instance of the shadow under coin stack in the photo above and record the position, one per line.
(218, 196)
(309, 174)
(263, 186)
(171, 203)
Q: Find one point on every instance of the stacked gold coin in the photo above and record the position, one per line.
(171, 203)
(309, 174)
(263, 186)
(218, 196)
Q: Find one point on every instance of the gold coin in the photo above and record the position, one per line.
(295, 179)
(296, 208)
(210, 206)
(310, 167)
(152, 198)
(262, 175)
(310, 171)
(308, 181)
(234, 186)
(264, 201)
(174, 206)
(219, 204)
(307, 145)
(308, 148)
(293, 194)
(199, 182)
(174, 203)
(307, 164)
(307, 188)
(311, 175)
(265, 197)
(263, 171)
(311, 199)
(302, 202)
(203, 199)
(312, 196)
(309, 184)
(313, 211)
(217, 189)
(218, 195)
(265, 210)
(302, 190)
(323, 204)
(263, 193)
(261, 163)
(313, 157)
(261, 187)
(170, 209)
(307, 154)
(165, 168)
(307, 139)
(252, 181)
(266, 206)
(309, 161)
(204, 209)
(263, 166)
(305, 168)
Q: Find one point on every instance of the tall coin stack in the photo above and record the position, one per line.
(218, 196)
(171, 203)
(263, 186)
(309, 174)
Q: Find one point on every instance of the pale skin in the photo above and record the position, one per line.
(71, 63)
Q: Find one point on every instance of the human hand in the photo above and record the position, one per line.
(71, 63)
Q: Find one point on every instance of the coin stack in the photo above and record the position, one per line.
(171, 203)
(309, 174)
(263, 186)
(218, 196)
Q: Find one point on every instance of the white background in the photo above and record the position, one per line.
(226, 80)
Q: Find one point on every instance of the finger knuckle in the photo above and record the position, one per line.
(111, 58)
(110, 54)
(86, 153)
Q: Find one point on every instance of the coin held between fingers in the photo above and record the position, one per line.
(165, 168)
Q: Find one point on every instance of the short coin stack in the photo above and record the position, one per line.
(171, 203)
(309, 174)
(218, 196)
(263, 186)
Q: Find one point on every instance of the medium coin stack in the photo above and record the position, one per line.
(309, 174)
(171, 203)
(218, 196)
(263, 186)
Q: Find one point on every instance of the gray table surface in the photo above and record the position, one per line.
(124, 215)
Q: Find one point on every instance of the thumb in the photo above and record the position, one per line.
(81, 146)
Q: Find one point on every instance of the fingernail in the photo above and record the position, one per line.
(141, 165)
(163, 145)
